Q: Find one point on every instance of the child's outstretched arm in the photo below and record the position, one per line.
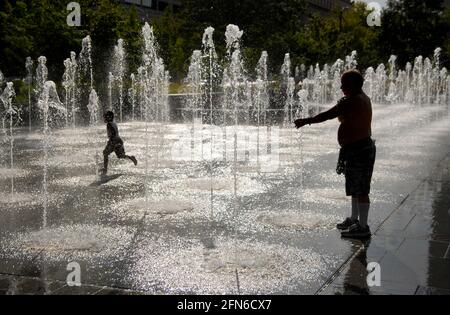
(322, 117)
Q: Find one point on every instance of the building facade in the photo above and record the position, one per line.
(151, 8)
(325, 6)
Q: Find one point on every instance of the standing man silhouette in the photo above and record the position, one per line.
(358, 150)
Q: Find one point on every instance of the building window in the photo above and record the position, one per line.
(149, 4)
(138, 2)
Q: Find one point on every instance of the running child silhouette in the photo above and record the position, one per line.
(358, 150)
(115, 143)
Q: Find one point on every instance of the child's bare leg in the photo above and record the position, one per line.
(126, 157)
(105, 162)
(106, 154)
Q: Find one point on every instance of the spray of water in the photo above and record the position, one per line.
(110, 88)
(351, 61)
(234, 77)
(86, 60)
(194, 84)
(234, 83)
(52, 110)
(67, 83)
(392, 95)
(29, 64)
(154, 84)
(132, 95)
(74, 86)
(41, 75)
(261, 97)
(210, 79)
(286, 69)
(93, 108)
(11, 113)
(118, 71)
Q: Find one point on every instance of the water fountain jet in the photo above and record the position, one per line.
(118, 71)
(12, 113)
(50, 107)
(29, 81)
(86, 60)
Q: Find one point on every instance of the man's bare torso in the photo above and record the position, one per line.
(355, 115)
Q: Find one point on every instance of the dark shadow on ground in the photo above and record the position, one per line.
(104, 179)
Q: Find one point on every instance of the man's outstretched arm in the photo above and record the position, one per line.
(328, 115)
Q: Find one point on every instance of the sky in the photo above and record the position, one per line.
(382, 2)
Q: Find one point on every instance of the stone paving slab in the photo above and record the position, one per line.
(14, 285)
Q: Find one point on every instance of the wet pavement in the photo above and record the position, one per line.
(179, 224)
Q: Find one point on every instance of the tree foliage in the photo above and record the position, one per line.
(413, 27)
(39, 28)
(326, 40)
